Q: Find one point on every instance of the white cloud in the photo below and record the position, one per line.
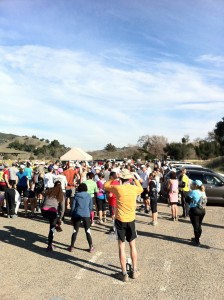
(79, 100)
(217, 60)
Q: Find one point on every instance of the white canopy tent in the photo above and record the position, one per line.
(76, 154)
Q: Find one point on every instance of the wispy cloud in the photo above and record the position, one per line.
(82, 101)
(212, 59)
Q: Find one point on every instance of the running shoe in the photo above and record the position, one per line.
(91, 250)
(134, 274)
(122, 277)
(70, 249)
(50, 248)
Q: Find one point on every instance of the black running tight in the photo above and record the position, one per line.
(76, 223)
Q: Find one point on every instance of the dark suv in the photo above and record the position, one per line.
(213, 182)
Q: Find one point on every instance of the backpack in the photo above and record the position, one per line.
(39, 186)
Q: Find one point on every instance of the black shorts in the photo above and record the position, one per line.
(22, 189)
(101, 204)
(3, 188)
(145, 194)
(153, 205)
(70, 193)
(29, 194)
(125, 230)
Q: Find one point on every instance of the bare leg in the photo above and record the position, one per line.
(133, 253)
(122, 256)
(25, 200)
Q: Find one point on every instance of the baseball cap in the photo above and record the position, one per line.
(22, 167)
(6, 165)
(197, 182)
(143, 166)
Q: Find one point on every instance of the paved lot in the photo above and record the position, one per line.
(171, 268)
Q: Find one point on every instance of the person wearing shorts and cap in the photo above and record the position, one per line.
(126, 195)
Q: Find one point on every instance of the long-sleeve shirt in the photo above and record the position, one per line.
(126, 195)
(82, 205)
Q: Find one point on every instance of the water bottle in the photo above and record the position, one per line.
(128, 264)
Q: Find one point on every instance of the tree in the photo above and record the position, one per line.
(185, 139)
(110, 147)
(152, 145)
(179, 151)
(206, 150)
(219, 134)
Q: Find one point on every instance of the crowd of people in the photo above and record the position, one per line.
(92, 193)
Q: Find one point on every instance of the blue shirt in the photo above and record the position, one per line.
(82, 205)
(195, 195)
(22, 178)
(29, 173)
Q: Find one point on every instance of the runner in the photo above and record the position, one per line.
(53, 210)
(81, 208)
(126, 195)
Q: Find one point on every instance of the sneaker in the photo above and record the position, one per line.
(100, 222)
(93, 224)
(146, 211)
(14, 216)
(70, 249)
(122, 277)
(153, 223)
(58, 228)
(91, 250)
(50, 248)
(104, 220)
(134, 274)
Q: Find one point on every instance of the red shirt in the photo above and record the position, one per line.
(112, 201)
(5, 172)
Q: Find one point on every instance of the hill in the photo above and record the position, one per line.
(6, 137)
(26, 147)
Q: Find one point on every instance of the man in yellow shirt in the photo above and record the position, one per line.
(126, 195)
(185, 188)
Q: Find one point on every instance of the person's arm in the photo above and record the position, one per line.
(90, 204)
(27, 182)
(73, 205)
(109, 187)
(139, 186)
(61, 210)
(6, 177)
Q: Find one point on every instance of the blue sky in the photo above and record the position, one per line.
(93, 72)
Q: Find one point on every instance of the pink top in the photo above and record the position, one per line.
(173, 192)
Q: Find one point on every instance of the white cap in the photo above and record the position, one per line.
(22, 167)
(97, 168)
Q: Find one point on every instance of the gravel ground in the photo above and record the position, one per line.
(171, 268)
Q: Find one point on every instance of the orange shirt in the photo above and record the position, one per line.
(126, 195)
(70, 176)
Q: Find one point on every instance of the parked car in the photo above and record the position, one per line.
(213, 182)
